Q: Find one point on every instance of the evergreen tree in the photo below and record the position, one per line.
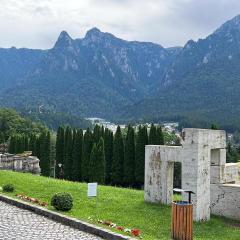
(159, 136)
(32, 144)
(129, 157)
(87, 149)
(97, 163)
(44, 154)
(118, 158)
(96, 133)
(108, 146)
(77, 155)
(12, 147)
(141, 142)
(153, 135)
(59, 151)
(68, 147)
(26, 143)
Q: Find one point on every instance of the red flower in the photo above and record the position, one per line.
(136, 232)
(120, 228)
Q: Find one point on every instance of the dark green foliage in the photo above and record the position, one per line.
(141, 141)
(11, 123)
(8, 188)
(32, 144)
(233, 154)
(159, 136)
(77, 155)
(108, 146)
(153, 140)
(62, 201)
(59, 150)
(12, 144)
(44, 155)
(68, 148)
(97, 133)
(53, 120)
(129, 157)
(87, 148)
(2, 138)
(118, 158)
(97, 163)
(214, 127)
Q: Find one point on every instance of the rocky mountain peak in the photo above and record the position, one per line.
(64, 40)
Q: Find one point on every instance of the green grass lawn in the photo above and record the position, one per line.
(125, 207)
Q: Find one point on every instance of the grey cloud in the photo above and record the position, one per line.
(37, 23)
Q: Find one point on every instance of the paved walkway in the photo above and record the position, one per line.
(19, 224)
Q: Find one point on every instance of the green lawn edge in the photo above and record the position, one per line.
(125, 207)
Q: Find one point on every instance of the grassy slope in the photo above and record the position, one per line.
(124, 207)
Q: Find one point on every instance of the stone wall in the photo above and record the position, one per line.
(225, 200)
(20, 163)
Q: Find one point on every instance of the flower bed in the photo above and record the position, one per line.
(133, 232)
(33, 200)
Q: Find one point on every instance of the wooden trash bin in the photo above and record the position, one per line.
(182, 220)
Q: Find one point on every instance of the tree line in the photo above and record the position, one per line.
(39, 145)
(103, 157)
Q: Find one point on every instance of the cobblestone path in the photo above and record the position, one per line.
(19, 224)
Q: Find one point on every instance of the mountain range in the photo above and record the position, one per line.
(102, 75)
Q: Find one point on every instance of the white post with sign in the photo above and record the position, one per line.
(92, 192)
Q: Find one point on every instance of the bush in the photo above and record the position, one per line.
(62, 201)
(8, 188)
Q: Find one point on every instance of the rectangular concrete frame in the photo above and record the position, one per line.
(203, 157)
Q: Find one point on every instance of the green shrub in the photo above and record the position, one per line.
(62, 201)
(8, 188)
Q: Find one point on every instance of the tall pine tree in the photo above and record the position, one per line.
(87, 148)
(108, 146)
(141, 142)
(97, 163)
(129, 157)
(159, 136)
(68, 147)
(118, 158)
(59, 151)
(153, 135)
(77, 155)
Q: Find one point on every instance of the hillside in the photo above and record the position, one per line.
(92, 76)
(202, 83)
(104, 76)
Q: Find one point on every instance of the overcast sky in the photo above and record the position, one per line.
(37, 23)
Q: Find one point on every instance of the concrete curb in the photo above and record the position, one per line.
(71, 222)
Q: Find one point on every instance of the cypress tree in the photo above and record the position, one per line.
(68, 147)
(96, 133)
(129, 157)
(108, 147)
(45, 154)
(32, 144)
(26, 143)
(59, 151)
(87, 148)
(159, 136)
(12, 144)
(153, 135)
(97, 163)
(141, 141)
(118, 158)
(77, 155)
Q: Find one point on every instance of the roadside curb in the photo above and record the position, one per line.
(68, 221)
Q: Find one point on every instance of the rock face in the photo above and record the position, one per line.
(19, 163)
(95, 75)
(204, 171)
